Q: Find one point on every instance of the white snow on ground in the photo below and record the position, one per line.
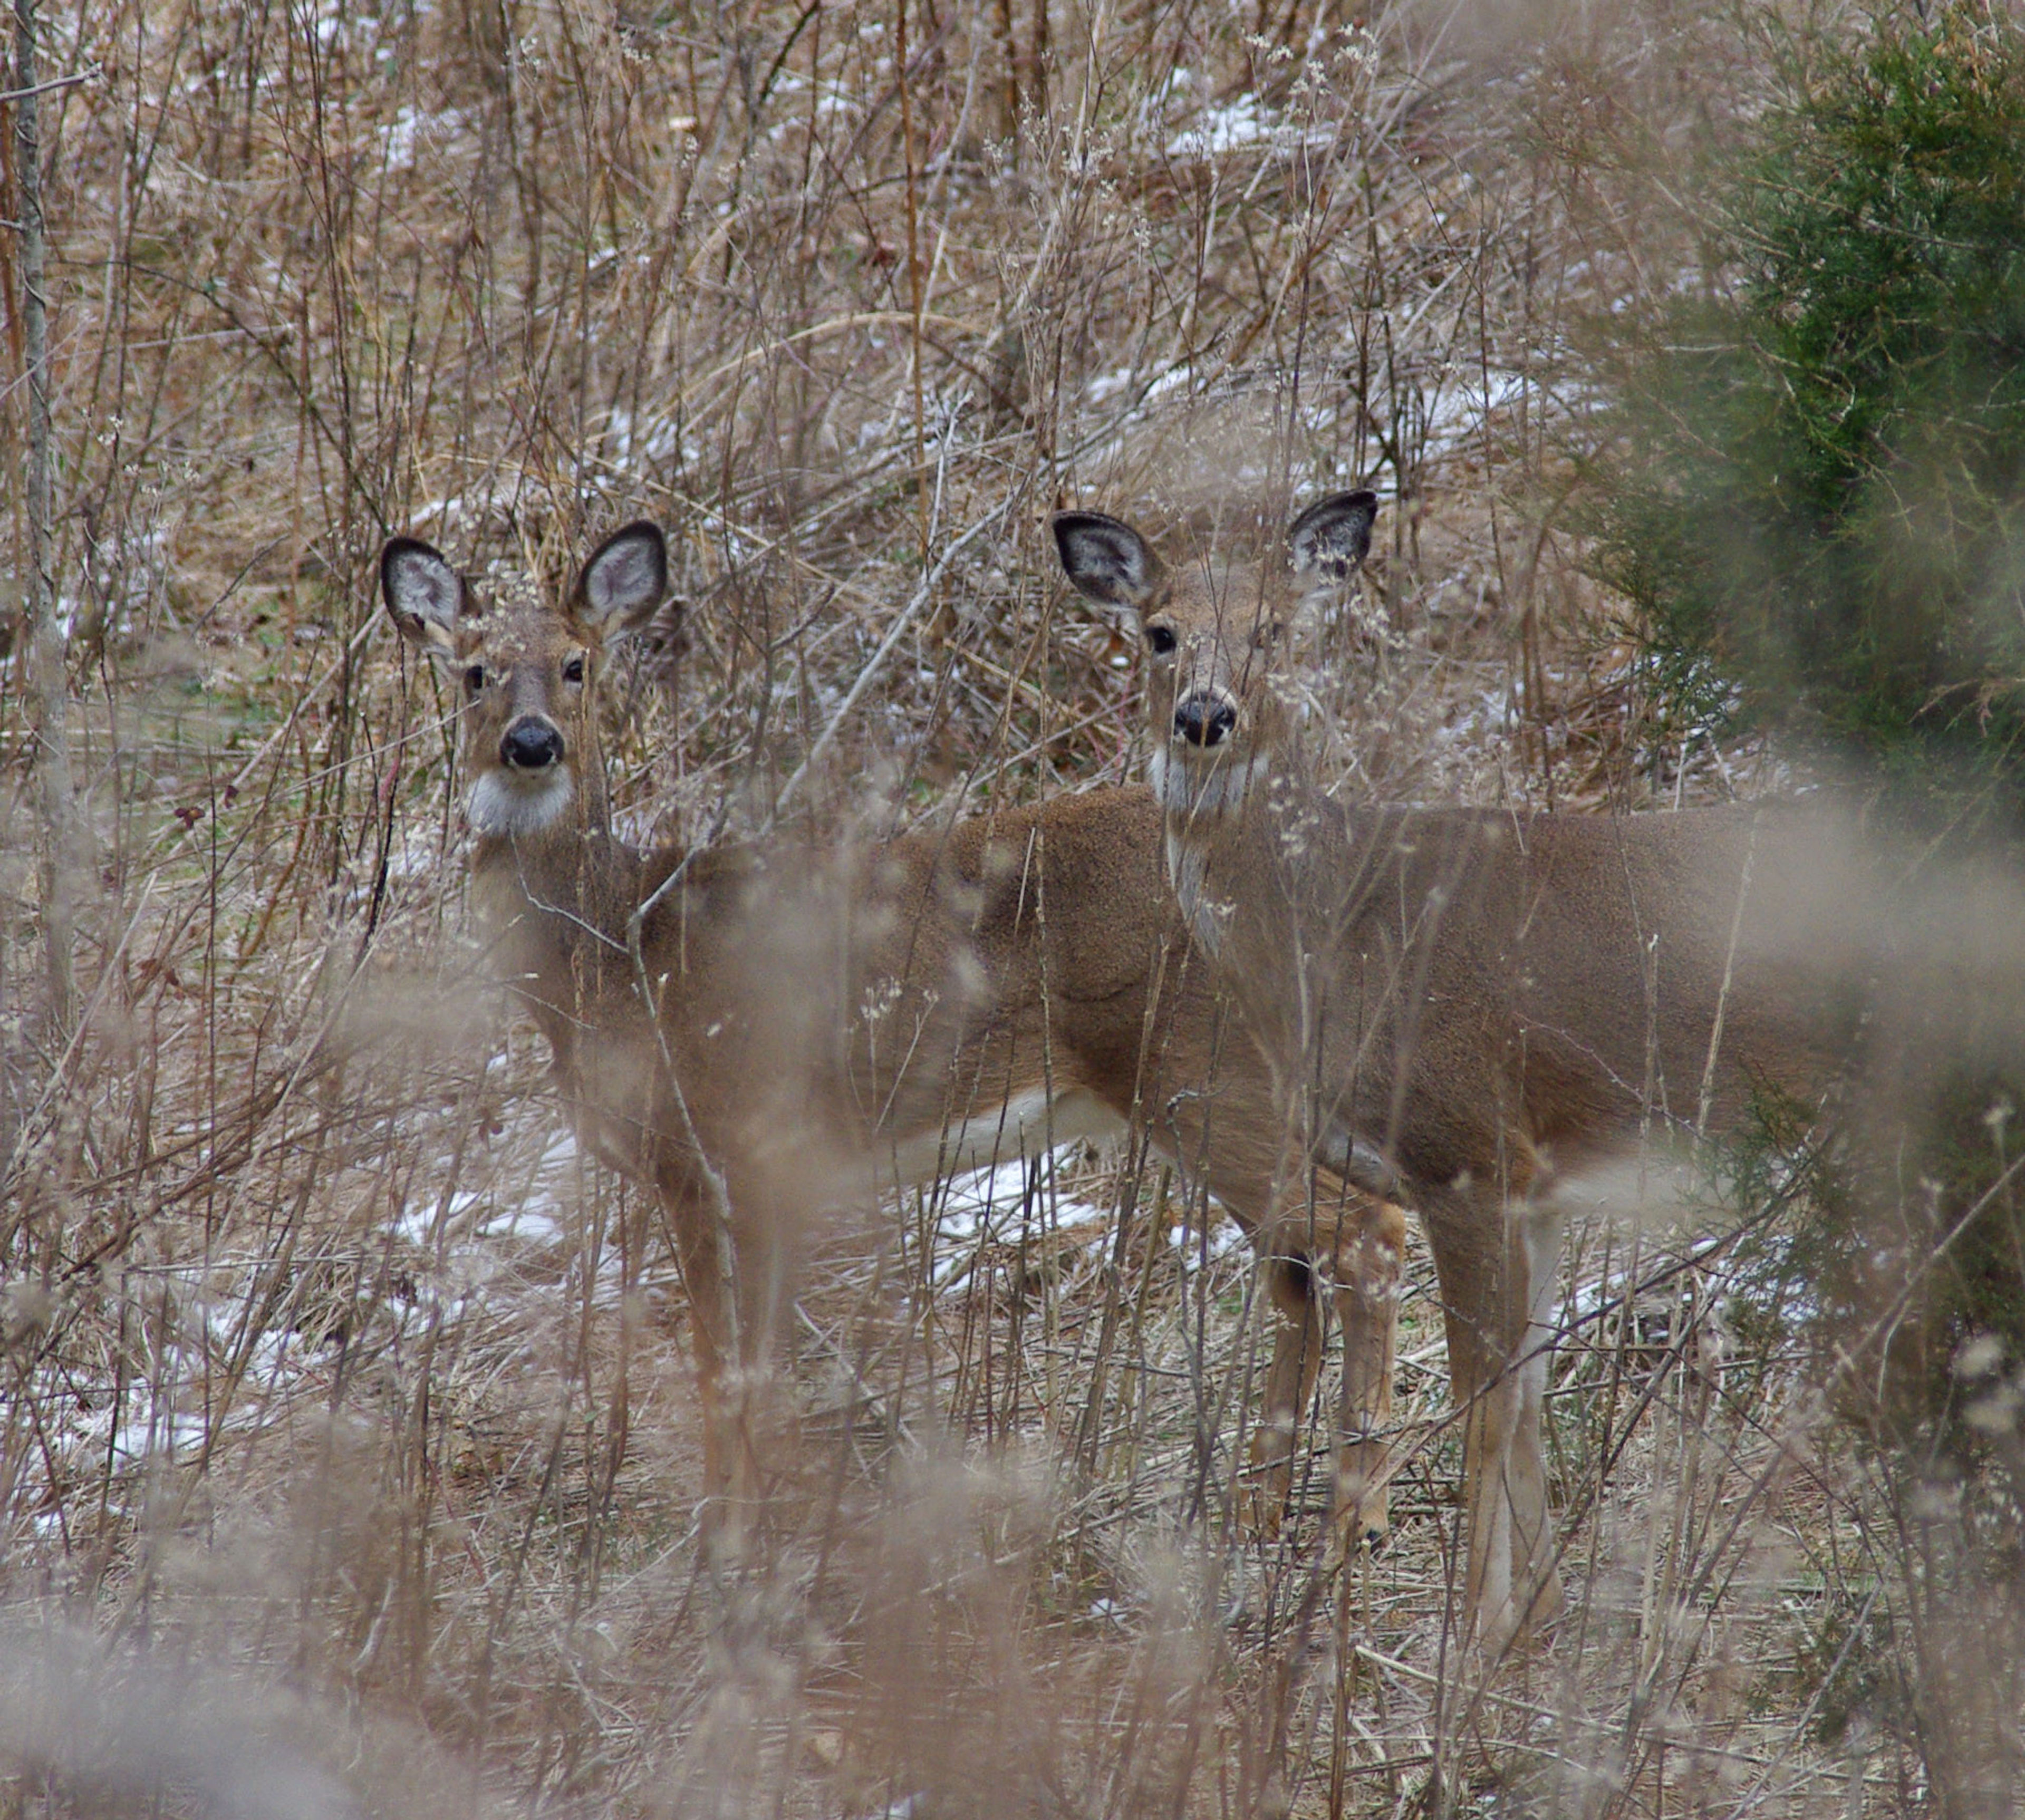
(1108, 385)
(1020, 1201)
(1458, 410)
(412, 128)
(1002, 1205)
(526, 1212)
(474, 1237)
(1448, 412)
(655, 438)
(196, 1376)
(1196, 1248)
(1241, 123)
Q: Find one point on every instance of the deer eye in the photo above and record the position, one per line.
(573, 668)
(1160, 640)
(474, 678)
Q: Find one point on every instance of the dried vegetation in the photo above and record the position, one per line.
(347, 1461)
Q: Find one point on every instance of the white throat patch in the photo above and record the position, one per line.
(1195, 799)
(503, 805)
(1214, 789)
(1188, 871)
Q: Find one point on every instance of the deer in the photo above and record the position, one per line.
(749, 1028)
(1464, 1010)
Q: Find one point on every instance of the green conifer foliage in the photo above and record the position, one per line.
(1818, 483)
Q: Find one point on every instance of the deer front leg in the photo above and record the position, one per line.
(1495, 1260)
(1290, 1381)
(764, 1419)
(1363, 1241)
(1368, 1269)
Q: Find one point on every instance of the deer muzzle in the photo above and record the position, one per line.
(1205, 717)
(530, 744)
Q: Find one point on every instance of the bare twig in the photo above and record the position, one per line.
(48, 645)
(903, 623)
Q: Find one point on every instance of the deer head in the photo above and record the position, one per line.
(526, 670)
(1212, 634)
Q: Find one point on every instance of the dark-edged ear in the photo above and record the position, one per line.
(1334, 534)
(1106, 560)
(424, 596)
(621, 582)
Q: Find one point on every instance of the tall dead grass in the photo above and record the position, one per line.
(347, 1462)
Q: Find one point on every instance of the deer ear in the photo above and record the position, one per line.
(1333, 536)
(424, 596)
(1106, 560)
(624, 580)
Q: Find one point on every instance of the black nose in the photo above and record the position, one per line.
(531, 745)
(1204, 721)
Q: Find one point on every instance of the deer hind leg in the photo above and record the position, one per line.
(1290, 1381)
(1367, 1268)
(1482, 1396)
(1496, 1257)
(1535, 1575)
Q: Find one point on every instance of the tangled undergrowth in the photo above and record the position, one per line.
(348, 1462)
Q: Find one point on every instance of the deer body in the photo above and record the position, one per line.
(1475, 980)
(745, 1028)
(1462, 1007)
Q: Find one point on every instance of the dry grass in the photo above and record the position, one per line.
(347, 1462)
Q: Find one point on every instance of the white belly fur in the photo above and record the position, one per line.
(1029, 1125)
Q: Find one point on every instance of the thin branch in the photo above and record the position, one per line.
(29, 93)
(48, 653)
(867, 676)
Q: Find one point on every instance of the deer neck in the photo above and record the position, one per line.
(554, 900)
(1213, 816)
